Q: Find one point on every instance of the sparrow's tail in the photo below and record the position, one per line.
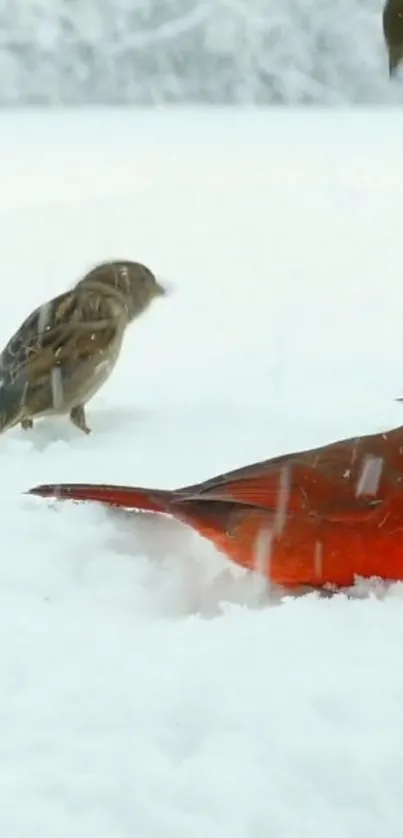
(12, 401)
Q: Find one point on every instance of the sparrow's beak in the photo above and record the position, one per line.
(163, 288)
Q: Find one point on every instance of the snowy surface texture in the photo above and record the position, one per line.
(225, 51)
(148, 687)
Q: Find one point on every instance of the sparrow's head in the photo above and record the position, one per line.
(134, 282)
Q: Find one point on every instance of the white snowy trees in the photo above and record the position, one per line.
(246, 51)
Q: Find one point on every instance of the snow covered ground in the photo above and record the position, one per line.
(148, 687)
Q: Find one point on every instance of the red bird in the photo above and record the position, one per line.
(322, 516)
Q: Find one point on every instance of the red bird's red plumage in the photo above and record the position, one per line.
(314, 517)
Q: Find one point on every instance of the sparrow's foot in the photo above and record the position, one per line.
(77, 416)
(27, 424)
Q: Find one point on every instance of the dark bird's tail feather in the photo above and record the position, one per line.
(12, 400)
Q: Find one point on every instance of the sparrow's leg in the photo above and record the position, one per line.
(27, 424)
(77, 416)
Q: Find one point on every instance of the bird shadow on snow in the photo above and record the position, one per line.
(102, 421)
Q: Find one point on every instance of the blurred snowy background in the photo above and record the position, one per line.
(62, 52)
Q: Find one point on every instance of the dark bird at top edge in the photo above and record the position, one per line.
(392, 23)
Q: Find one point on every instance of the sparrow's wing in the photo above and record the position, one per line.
(52, 342)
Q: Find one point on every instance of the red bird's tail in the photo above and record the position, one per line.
(211, 519)
(127, 497)
(221, 521)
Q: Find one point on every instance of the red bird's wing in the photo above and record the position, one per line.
(267, 490)
(295, 488)
(342, 479)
